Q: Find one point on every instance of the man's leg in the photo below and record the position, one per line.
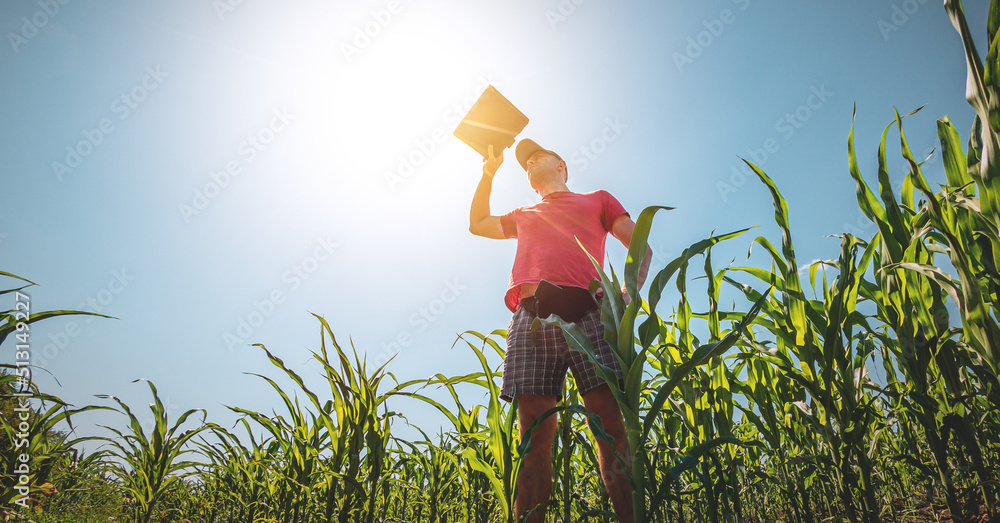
(602, 402)
(534, 484)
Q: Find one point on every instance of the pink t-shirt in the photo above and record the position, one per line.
(546, 239)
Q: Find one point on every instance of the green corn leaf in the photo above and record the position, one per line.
(637, 249)
(975, 89)
(10, 325)
(700, 356)
(692, 456)
(867, 201)
(663, 277)
(793, 291)
(955, 161)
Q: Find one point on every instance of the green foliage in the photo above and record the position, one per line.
(81, 493)
(30, 438)
(148, 467)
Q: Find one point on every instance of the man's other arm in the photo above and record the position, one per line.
(622, 229)
(481, 222)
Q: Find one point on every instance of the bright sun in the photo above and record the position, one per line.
(407, 86)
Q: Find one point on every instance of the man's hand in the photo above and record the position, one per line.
(492, 163)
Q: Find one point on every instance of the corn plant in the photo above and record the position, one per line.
(240, 475)
(150, 465)
(432, 474)
(959, 221)
(483, 478)
(34, 432)
(489, 451)
(330, 455)
(620, 331)
(817, 348)
(42, 441)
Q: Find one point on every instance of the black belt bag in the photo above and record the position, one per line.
(569, 303)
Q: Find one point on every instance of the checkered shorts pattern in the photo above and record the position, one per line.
(540, 368)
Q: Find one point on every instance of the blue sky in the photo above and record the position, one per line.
(212, 172)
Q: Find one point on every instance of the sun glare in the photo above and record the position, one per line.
(394, 94)
(395, 100)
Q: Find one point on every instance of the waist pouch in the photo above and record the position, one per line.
(569, 303)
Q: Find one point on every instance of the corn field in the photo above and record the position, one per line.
(867, 394)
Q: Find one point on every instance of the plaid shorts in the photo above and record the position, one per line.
(541, 368)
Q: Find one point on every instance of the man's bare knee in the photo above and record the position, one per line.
(601, 401)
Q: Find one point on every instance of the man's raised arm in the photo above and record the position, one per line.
(481, 222)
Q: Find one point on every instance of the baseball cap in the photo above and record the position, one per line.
(526, 148)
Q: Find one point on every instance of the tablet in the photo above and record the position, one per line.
(493, 120)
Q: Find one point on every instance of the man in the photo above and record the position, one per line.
(535, 363)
